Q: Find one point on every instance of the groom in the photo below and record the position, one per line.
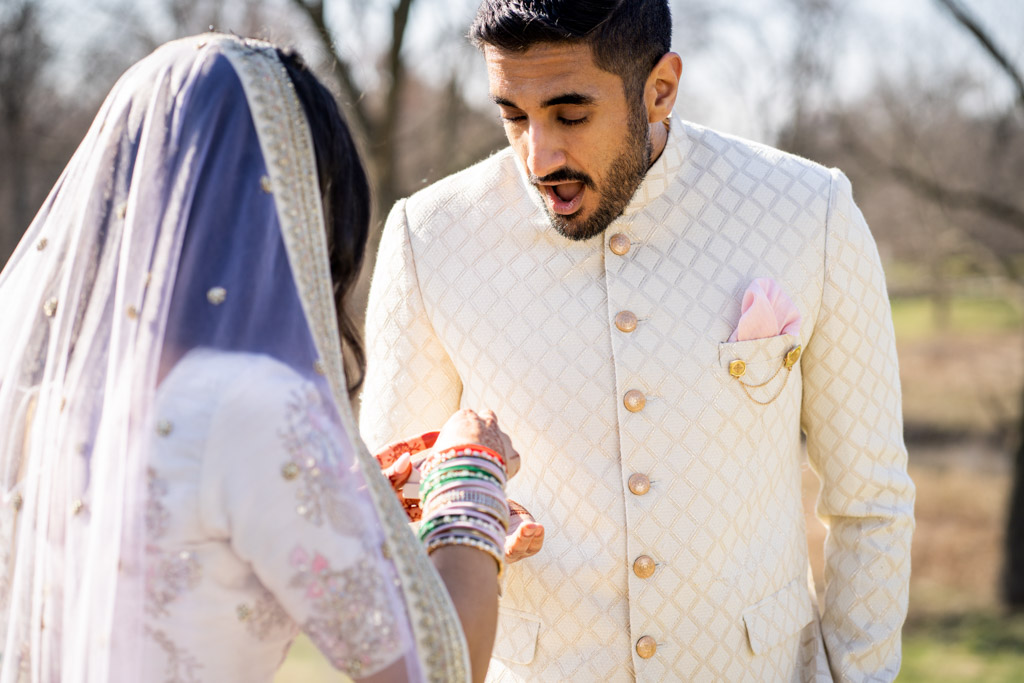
(595, 285)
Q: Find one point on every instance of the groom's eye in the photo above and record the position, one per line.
(572, 122)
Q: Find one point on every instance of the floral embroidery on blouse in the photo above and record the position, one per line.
(351, 620)
(181, 667)
(265, 619)
(315, 464)
(157, 516)
(168, 574)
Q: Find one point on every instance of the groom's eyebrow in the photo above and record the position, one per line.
(567, 98)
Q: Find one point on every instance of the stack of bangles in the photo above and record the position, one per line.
(463, 499)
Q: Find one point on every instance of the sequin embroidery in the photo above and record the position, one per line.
(351, 619)
(265, 619)
(181, 666)
(168, 574)
(311, 441)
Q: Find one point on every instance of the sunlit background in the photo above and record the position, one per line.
(921, 102)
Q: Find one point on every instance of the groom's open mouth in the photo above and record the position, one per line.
(564, 198)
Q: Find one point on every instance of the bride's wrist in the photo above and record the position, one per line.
(462, 495)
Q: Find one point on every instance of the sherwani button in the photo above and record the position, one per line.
(619, 244)
(646, 647)
(639, 484)
(634, 400)
(643, 567)
(625, 321)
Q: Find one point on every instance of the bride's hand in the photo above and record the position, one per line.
(469, 427)
(396, 464)
(397, 472)
(525, 535)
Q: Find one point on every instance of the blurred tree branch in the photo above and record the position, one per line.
(1013, 545)
(964, 18)
(928, 188)
(24, 53)
(991, 199)
(353, 103)
(377, 131)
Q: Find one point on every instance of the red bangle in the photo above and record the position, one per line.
(477, 447)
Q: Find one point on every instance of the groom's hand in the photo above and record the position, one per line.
(525, 535)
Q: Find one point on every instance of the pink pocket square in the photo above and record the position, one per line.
(766, 311)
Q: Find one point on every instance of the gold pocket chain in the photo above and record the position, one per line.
(738, 368)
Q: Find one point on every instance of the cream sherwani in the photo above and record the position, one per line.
(476, 301)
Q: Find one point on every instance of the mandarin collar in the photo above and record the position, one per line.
(662, 172)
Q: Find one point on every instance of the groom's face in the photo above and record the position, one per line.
(584, 145)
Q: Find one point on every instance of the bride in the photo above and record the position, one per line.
(183, 485)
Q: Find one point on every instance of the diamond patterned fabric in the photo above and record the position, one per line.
(477, 302)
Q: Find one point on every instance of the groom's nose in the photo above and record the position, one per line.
(545, 152)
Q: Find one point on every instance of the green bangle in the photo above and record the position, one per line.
(430, 484)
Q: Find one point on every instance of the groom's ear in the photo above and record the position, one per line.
(662, 87)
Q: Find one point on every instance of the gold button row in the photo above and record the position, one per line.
(626, 321)
(639, 484)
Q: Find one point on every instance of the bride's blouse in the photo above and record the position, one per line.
(259, 525)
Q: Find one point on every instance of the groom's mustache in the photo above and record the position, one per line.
(565, 175)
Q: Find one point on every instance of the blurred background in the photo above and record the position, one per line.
(921, 102)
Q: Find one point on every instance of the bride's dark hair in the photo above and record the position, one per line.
(346, 200)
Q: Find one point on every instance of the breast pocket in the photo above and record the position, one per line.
(760, 367)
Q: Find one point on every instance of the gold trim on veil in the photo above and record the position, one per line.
(287, 148)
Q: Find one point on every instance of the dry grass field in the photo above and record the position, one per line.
(961, 391)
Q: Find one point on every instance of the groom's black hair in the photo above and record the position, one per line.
(626, 37)
(346, 199)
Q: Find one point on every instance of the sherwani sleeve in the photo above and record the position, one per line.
(852, 416)
(411, 384)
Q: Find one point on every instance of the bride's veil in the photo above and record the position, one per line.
(187, 218)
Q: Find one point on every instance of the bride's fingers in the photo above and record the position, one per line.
(399, 471)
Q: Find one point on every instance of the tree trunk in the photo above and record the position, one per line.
(1013, 562)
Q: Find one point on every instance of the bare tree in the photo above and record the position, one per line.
(1011, 214)
(970, 24)
(24, 54)
(997, 217)
(376, 128)
(810, 67)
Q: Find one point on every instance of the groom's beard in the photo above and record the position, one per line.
(625, 174)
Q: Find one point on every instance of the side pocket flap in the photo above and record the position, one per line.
(516, 639)
(778, 616)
